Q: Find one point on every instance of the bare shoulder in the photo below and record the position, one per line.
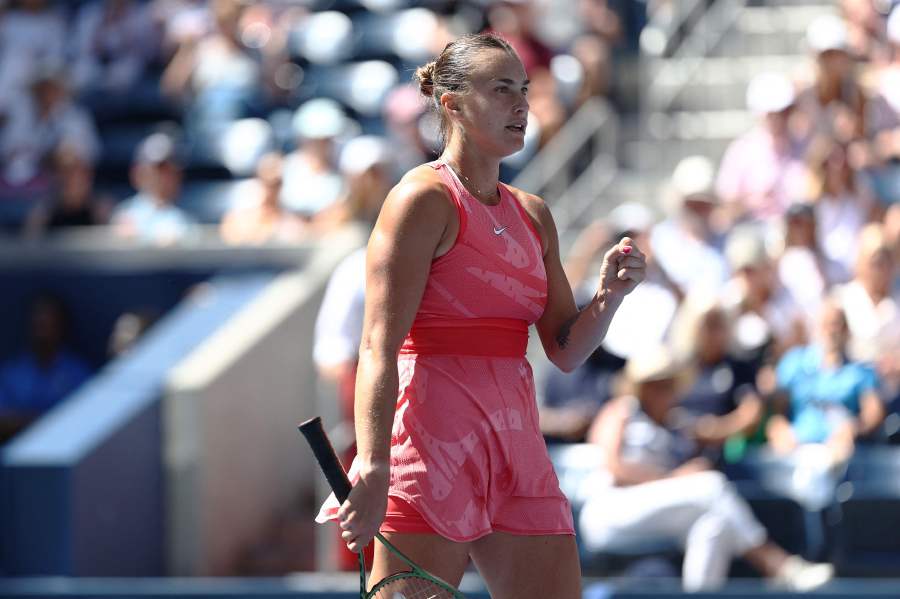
(537, 209)
(420, 190)
(418, 210)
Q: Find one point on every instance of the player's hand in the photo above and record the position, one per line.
(361, 515)
(624, 267)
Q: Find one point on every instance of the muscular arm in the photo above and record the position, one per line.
(409, 232)
(570, 335)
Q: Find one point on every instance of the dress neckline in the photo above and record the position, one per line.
(466, 189)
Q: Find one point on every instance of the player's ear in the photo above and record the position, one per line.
(449, 102)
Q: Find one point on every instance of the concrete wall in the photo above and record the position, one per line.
(232, 455)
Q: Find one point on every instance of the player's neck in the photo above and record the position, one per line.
(480, 174)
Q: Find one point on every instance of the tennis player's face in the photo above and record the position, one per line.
(494, 113)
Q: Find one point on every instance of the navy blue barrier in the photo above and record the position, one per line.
(82, 489)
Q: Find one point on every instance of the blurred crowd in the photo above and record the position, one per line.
(769, 323)
(248, 91)
(248, 123)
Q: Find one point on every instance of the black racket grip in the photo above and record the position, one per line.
(327, 458)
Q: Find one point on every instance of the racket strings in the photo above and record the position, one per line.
(412, 587)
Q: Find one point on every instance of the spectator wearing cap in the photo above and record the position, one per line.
(843, 204)
(762, 171)
(40, 123)
(261, 218)
(834, 105)
(768, 320)
(804, 268)
(312, 180)
(686, 244)
(368, 172)
(151, 216)
(403, 113)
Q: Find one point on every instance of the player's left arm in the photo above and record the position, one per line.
(570, 335)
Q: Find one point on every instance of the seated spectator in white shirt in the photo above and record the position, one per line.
(871, 303)
(803, 267)
(151, 216)
(762, 171)
(312, 181)
(112, 42)
(687, 244)
(768, 320)
(32, 39)
(38, 124)
(842, 203)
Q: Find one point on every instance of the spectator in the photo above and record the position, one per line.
(871, 303)
(513, 20)
(128, 329)
(312, 181)
(762, 171)
(827, 401)
(74, 202)
(720, 401)
(842, 205)
(214, 73)
(652, 486)
(594, 55)
(571, 400)
(366, 165)
(262, 219)
(113, 42)
(803, 267)
(32, 38)
(601, 20)
(686, 244)
(38, 125)
(151, 216)
(45, 373)
(884, 167)
(834, 106)
(402, 112)
(768, 320)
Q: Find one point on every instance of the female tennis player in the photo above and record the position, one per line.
(451, 465)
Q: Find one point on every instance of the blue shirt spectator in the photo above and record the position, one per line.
(27, 385)
(821, 397)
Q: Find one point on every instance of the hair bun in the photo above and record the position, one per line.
(425, 76)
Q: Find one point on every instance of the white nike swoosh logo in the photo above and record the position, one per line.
(499, 230)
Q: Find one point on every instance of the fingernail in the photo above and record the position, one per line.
(626, 249)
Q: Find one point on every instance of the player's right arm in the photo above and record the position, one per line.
(413, 227)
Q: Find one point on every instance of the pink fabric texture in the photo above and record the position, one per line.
(466, 449)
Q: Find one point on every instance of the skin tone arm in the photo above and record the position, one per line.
(570, 335)
(607, 432)
(715, 430)
(410, 231)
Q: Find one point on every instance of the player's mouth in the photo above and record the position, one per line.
(518, 127)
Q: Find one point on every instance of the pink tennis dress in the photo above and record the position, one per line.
(466, 448)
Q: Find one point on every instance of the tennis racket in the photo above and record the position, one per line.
(414, 584)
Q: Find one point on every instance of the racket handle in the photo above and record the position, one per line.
(327, 458)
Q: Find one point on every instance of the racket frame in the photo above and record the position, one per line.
(336, 476)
